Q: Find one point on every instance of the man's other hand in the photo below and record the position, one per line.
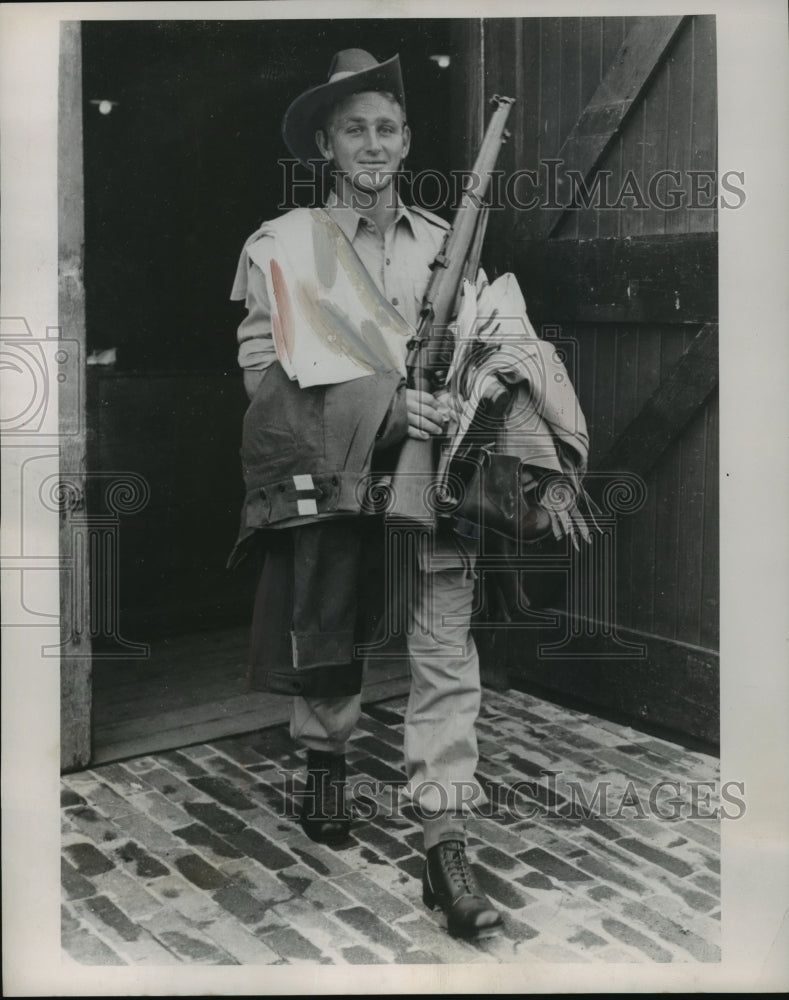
(425, 415)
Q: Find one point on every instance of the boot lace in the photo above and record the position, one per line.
(458, 869)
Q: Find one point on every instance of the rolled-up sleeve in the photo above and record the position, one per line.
(256, 350)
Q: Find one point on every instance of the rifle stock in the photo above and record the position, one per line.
(412, 497)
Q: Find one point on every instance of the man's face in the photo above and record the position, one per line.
(366, 138)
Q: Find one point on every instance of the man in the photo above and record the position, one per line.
(332, 299)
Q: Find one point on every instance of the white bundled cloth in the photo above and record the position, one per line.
(498, 351)
(330, 322)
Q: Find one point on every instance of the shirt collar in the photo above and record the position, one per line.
(348, 219)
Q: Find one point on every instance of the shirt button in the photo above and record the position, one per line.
(388, 261)
(395, 301)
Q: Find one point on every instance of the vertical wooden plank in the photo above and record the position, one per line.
(709, 630)
(75, 664)
(550, 86)
(502, 39)
(625, 409)
(656, 125)
(591, 75)
(691, 530)
(608, 221)
(602, 433)
(703, 155)
(680, 70)
(669, 472)
(647, 379)
(526, 118)
(569, 100)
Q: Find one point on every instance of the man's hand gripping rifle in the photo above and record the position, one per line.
(430, 351)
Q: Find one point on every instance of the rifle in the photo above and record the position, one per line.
(428, 356)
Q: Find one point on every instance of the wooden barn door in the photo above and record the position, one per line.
(615, 248)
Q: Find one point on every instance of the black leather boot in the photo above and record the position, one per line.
(448, 882)
(323, 815)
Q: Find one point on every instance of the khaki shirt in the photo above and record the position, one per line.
(398, 261)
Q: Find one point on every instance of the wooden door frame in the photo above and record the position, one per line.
(75, 645)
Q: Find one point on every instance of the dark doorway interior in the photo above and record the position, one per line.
(184, 166)
(180, 167)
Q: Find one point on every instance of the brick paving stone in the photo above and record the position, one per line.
(412, 866)
(70, 798)
(88, 949)
(256, 846)
(363, 890)
(213, 816)
(375, 728)
(549, 951)
(323, 929)
(158, 808)
(706, 833)
(322, 860)
(635, 939)
(266, 886)
(128, 894)
(90, 824)
(171, 786)
(428, 934)
(128, 939)
(80, 781)
(75, 886)
(197, 752)
(357, 954)
(700, 923)
(381, 841)
(139, 860)
(200, 873)
(379, 749)
(175, 761)
(247, 948)
(552, 866)
(108, 802)
(372, 928)
(241, 904)
(501, 890)
(586, 940)
(675, 865)
(709, 883)
(238, 750)
(384, 715)
(610, 872)
(669, 932)
(694, 898)
(377, 769)
(325, 895)
(196, 835)
(223, 791)
(497, 859)
(181, 896)
(489, 831)
(88, 860)
(186, 942)
(243, 778)
(536, 880)
(289, 944)
(121, 779)
(140, 765)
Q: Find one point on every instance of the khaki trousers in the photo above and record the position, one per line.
(440, 744)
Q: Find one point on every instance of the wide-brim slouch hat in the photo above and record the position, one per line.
(352, 71)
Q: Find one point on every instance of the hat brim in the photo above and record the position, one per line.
(306, 114)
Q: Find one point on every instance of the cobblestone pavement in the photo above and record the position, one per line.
(190, 856)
